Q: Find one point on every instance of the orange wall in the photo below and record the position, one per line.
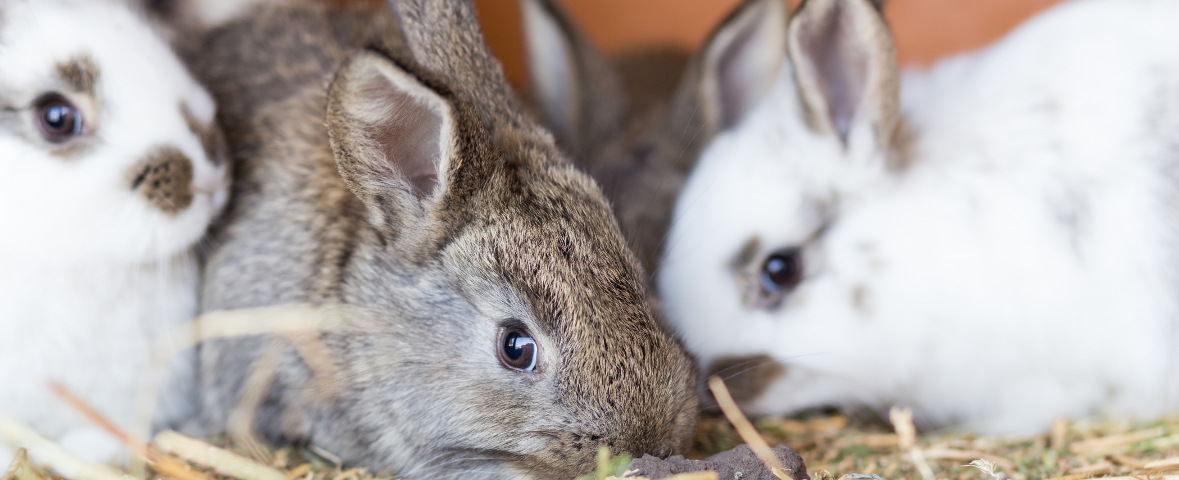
(925, 29)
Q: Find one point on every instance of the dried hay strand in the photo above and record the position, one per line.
(51, 454)
(745, 429)
(293, 321)
(1072, 450)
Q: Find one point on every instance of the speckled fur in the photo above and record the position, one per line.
(513, 231)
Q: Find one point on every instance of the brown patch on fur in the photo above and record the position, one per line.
(212, 139)
(72, 149)
(860, 299)
(747, 377)
(747, 254)
(80, 73)
(164, 179)
(901, 145)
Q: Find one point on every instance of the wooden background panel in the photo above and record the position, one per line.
(925, 30)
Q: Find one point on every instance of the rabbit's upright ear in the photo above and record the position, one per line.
(575, 86)
(740, 61)
(393, 136)
(845, 66)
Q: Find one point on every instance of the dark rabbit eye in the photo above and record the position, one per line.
(782, 271)
(57, 118)
(517, 349)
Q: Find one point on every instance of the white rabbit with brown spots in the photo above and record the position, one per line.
(996, 251)
(113, 170)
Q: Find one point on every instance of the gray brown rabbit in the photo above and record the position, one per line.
(383, 164)
(637, 122)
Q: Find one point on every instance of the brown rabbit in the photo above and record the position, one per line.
(637, 122)
(507, 333)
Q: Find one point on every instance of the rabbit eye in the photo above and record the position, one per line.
(57, 118)
(517, 349)
(782, 271)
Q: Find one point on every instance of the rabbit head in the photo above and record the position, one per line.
(748, 269)
(117, 150)
(636, 122)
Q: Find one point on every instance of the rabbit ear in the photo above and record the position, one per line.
(575, 86)
(444, 37)
(392, 134)
(741, 60)
(845, 67)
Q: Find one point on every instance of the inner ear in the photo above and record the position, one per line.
(830, 48)
(742, 58)
(399, 131)
(845, 67)
(406, 129)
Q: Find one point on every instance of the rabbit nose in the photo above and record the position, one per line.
(662, 451)
(164, 179)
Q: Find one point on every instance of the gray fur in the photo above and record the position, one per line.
(511, 231)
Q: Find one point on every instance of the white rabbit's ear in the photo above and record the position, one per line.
(567, 73)
(392, 134)
(845, 66)
(741, 60)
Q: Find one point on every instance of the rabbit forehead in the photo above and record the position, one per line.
(558, 246)
(745, 189)
(83, 47)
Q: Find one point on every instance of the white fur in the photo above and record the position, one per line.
(978, 305)
(91, 275)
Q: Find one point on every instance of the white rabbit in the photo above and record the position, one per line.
(112, 171)
(999, 252)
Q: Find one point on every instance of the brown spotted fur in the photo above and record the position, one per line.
(164, 179)
(80, 74)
